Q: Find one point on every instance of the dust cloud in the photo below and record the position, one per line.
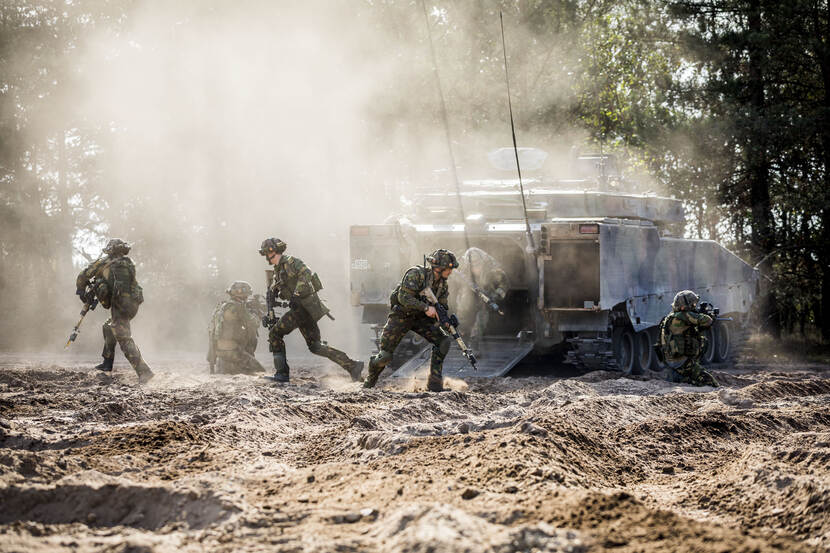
(222, 124)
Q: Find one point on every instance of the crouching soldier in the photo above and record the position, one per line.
(682, 341)
(410, 311)
(294, 282)
(233, 334)
(111, 278)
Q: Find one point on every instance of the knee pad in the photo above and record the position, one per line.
(444, 345)
(381, 359)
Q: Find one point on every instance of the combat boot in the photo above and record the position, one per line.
(435, 383)
(355, 370)
(435, 380)
(106, 365)
(706, 379)
(144, 373)
(280, 367)
(372, 376)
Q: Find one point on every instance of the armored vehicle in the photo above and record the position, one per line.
(601, 273)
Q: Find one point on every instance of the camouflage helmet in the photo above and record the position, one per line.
(272, 245)
(116, 246)
(685, 300)
(443, 259)
(239, 288)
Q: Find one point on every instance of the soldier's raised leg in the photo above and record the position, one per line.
(121, 330)
(109, 348)
(276, 343)
(394, 330)
(440, 346)
(311, 333)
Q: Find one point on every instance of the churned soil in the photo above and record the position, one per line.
(597, 462)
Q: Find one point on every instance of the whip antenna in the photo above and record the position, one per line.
(446, 122)
(513, 131)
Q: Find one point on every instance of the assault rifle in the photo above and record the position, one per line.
(482, 295)
(256, 305)
(449, 325)
(90, 303)
(270, 318)
(708, 309)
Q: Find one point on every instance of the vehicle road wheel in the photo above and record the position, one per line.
(624, 349)
(723, 341)
(707, 357)
(644, 357)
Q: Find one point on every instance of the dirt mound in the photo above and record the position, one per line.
(113, 503)
(777, 389)
(90, 462)
(620, 522)
(144, 437)
(442, 527)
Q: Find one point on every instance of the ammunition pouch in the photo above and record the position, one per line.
(126, 304)
(102, 291)
(315, 283)
(313, 306)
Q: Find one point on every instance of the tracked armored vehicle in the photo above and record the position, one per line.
(603, 270)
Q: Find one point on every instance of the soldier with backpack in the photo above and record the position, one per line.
(111, 279)
(682, 342)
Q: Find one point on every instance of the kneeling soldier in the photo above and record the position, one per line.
(233, 330)
(681, 340)
(410, 311)
(295, 282)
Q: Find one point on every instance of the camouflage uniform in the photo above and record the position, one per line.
(681, 338)
(294, 281)
(481, 269)
(408, 312)
(233, 335)
(113, 279)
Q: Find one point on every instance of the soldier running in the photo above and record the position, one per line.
(409, 311)
(483, 286)
(112, 280)
(293, 281)
(233, 333)
(681, 340)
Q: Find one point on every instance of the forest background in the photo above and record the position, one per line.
(195, 129)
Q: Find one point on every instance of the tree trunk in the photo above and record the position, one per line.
(758, 165)
(823, 55)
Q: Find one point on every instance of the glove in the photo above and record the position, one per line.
(269, 320)
(81, 294)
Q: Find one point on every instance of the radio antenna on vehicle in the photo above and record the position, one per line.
(446, 122)
(530, 242)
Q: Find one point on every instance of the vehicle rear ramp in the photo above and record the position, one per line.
(496, 356)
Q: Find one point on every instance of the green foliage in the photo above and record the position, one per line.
(722, 103)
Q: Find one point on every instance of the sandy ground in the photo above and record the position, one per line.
(190, 462)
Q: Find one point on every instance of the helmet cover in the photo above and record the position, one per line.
(443, 259)
(272, 245)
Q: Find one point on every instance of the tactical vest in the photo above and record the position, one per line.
(428, 282)
(287, 279)
(116, 286)
(232, 327)
(685, 344)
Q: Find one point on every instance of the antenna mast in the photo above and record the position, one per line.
(513, 131)
(446, 122)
